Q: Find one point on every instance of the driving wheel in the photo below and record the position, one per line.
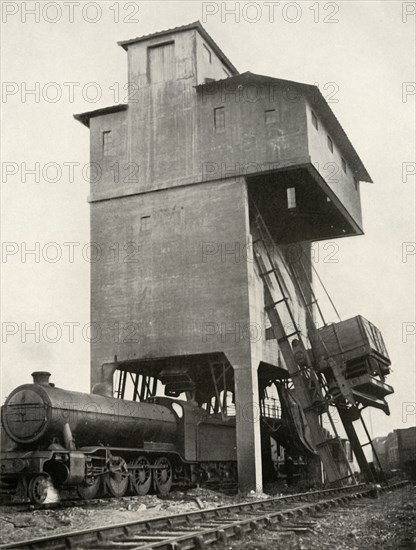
(86, 491)
(117, 480)
(163, 476)
(141, 476)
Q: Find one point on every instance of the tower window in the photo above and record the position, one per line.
(356, 184)
(315, 120)
(107, 143)
(330, 144)
(219, 119)
(207, 54)
(145, 224)
(161, 62)
(270, 116)
(291, 197)
(344, 165)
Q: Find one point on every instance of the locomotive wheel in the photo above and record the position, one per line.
(117, 480)
(141, 478)
(163, 476)
(88, 491)
(38, 489)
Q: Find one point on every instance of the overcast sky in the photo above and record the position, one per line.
(362, 55)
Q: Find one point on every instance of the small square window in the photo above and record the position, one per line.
(270, 116)
(207, 54)
(107, 143)
(219, 119)
(330, 144)
(344, 165)
(315, 120)
(291, 197)
(145, 224)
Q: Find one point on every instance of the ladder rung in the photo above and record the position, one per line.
(257, 241)
(265, 273)
(365, 444)
(296, 333)
(311, 303)
(327, 441)
(271, 306)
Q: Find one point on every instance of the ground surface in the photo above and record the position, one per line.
(18, 523)
(388, 522)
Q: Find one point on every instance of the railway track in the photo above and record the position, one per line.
(202, 528)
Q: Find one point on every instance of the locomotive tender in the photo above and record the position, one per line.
(102, 444)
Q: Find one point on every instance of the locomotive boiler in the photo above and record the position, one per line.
(37, 414)
(102, 444)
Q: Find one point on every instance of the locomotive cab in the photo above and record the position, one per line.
(203, 436)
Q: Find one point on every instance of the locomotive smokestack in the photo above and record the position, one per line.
(41, 377)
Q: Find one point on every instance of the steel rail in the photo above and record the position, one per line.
(199, 528)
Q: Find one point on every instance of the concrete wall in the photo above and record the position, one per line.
(248, 143)
(329, 165)
(111, 174)
(155, 139)
(175, 275)
(170, 286)
(167, 282)
(206, 68)
(167, 138)
(185, 66)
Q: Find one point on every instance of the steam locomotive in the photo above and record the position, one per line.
(100, 444)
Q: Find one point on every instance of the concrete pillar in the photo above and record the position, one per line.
(248, 428)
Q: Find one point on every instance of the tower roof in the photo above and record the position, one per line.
(195, 25)
(84, 118)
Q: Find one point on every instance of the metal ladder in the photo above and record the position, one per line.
(307, 385)
(341, 399)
